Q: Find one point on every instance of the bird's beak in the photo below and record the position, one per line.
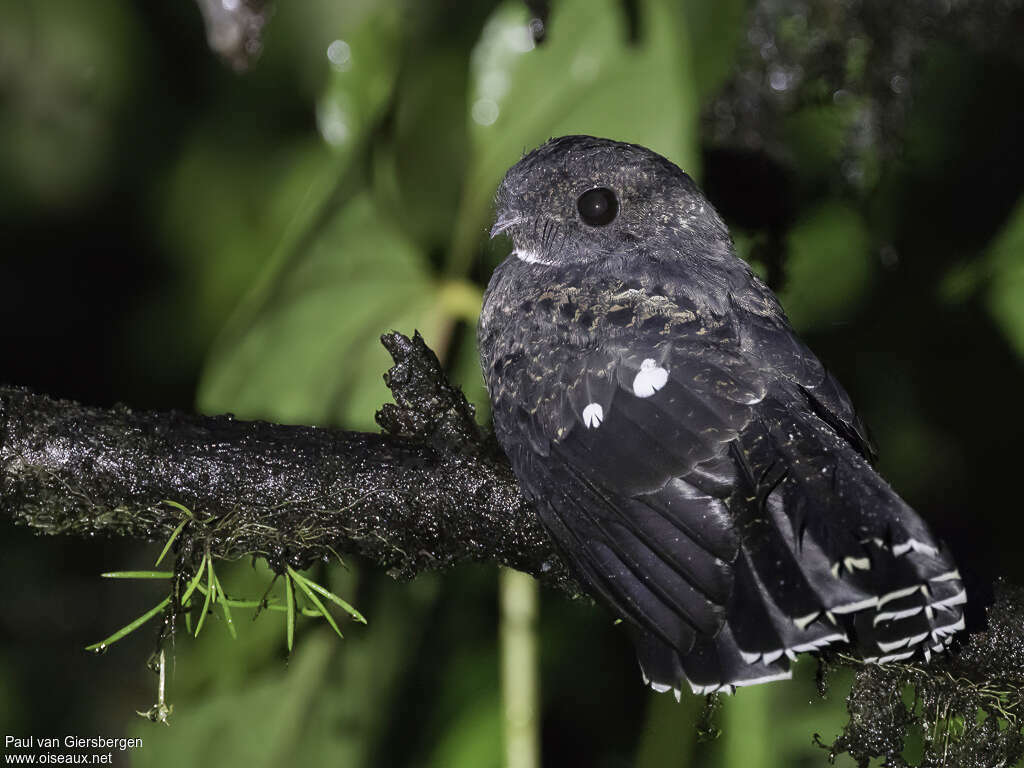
(505, 221)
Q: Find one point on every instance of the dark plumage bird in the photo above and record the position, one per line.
(705, 475)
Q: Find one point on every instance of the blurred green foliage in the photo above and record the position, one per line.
(343, 188)
(1005, 265)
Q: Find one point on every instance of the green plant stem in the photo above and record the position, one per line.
(519, 673)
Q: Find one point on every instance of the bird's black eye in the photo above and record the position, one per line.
(598, 206)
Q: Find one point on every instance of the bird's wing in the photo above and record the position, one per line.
(859, 546)
(771, 345)
(720, 501)
(610, 440)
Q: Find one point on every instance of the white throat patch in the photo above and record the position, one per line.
(530, 257)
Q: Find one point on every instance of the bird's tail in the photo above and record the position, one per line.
(829, 554)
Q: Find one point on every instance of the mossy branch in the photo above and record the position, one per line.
(426, 493)
(965, 709)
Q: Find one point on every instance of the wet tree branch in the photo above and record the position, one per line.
(428, 492)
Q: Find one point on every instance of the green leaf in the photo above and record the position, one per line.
(178, 506)
(230, 220)
(289, 592)
(828, 267)
(225, 218)
(1006, 289)
(193, 584)
(310, 351)
(209, 593)
(305, 586)
(170, 541)
(430, 138)
(138, 575)
(363, 65)
(224, 603)
(129, 628)
(716, 30)
(586, 78)
(336, 600)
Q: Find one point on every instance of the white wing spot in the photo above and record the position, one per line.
(651, 378)
(593, 415)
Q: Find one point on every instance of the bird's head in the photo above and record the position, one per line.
(582, 200)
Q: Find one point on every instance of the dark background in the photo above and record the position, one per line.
(177, 235)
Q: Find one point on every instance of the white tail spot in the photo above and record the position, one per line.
(851, 563)
(860, 605)
(917, 639)
(749, 658)
(803, 621)
(897, 615)
(958, 599)
(896, 657)
(897, 594)
(917, 546)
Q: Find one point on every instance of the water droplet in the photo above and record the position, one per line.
(339, 53)
(333, 122)
(485, 111)
(778, 79)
